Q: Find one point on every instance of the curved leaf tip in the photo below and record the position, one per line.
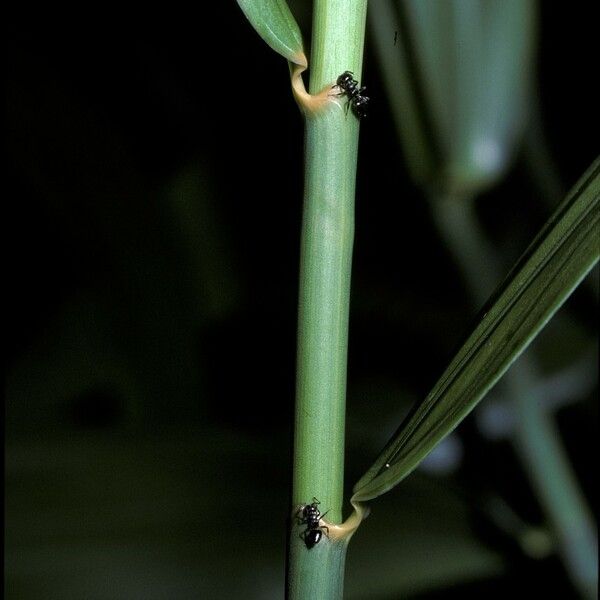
(274, 22)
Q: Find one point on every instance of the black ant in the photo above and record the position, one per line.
(310, 516)
(349, 87)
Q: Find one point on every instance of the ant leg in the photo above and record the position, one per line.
(299, 512)
(327, 528)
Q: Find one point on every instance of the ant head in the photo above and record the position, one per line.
(345, 78)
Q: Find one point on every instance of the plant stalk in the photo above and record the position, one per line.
(331, 144)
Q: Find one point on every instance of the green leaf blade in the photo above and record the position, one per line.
(551, 268)
(274, 22)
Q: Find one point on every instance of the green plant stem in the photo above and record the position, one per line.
(324, 294)
(538, 443)
(326, 254)
(537, 439)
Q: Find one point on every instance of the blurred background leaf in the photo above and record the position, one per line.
(458, 77)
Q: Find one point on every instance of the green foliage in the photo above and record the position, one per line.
(557, 260)
(276, 25)
(460, 109)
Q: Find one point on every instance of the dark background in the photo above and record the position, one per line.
(154, 190)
